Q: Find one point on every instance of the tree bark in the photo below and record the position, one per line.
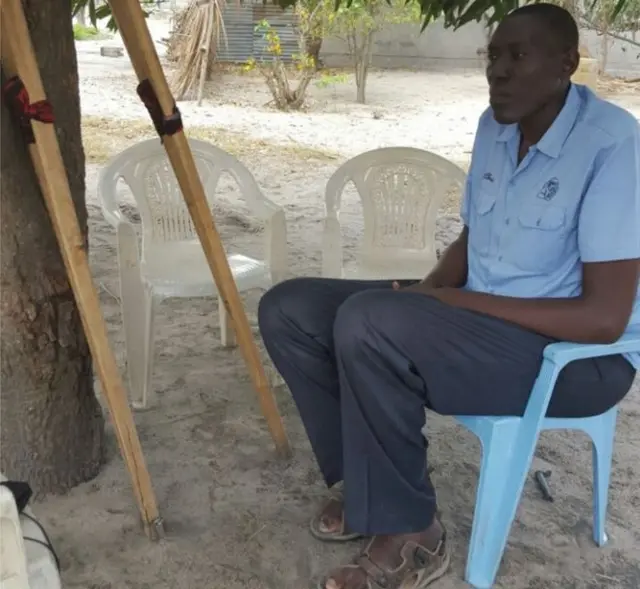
(604, 55)
(363, 61)
(51, 424)
(313, 46)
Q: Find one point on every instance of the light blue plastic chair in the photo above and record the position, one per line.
(508, 446)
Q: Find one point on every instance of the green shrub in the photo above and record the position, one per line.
(82, 33)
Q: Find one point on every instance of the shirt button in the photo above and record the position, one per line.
(499, 258)
(507, 221)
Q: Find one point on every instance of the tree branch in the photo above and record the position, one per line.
(600, 31)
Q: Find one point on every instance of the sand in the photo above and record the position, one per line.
(235, 516)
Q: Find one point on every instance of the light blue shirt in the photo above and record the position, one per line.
(574, 198)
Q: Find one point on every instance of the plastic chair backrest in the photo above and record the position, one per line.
(146, 169)
(401, 190)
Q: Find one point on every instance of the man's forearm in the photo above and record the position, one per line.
(569, 319)
(451, 269)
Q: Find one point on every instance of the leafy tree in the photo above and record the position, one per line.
(100, 10)
(358, 22)
(604, 17)
(312, 18)
(275, 70)
(610, 24)
(455, 13)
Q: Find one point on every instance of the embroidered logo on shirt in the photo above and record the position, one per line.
(488, 176)
(550, 189)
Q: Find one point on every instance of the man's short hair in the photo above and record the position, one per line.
(558, 20)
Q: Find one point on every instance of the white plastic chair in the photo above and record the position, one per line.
(401, 190)
(171, 262)
(27, 560)
(13, 558)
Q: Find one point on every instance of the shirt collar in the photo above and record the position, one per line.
(555, 137)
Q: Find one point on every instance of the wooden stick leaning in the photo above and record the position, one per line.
(206, 49)
(135, 34)
(18, 59)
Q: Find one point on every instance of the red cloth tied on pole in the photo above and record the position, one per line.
(163, 125)
(17, 100)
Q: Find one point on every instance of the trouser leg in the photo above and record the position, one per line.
(399, 351)
(296, 323)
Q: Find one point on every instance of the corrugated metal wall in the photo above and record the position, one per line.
(238, 24)
(243, 42)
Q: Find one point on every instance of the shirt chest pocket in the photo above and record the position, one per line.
(541, 238)
(481, 223)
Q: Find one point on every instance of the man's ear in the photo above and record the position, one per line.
(570, 62)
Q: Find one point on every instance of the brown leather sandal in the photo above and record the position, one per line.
(340, 535)
(420, 567)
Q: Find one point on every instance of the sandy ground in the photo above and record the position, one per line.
(236, 517)
(431, 110)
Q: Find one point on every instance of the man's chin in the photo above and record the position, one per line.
(504, 115)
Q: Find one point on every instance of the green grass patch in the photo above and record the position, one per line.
(82, 33)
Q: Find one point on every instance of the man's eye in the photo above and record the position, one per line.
(518, 55)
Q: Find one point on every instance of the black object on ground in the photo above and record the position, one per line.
(541, 477)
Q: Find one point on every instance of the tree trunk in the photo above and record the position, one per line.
(363, 61)
(82, 16)
(313, 46)
(604, 55)
(361, 83)
(51, 424)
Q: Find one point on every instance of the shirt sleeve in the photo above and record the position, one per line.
(466, 197)
(609, 219)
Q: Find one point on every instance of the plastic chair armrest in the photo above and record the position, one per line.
(562, 353)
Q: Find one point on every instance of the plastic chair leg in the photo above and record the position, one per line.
(13, 563)
(138, 313)
(602, 435)
(484, 557)
(148, 392)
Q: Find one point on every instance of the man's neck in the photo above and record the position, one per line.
(533, 127)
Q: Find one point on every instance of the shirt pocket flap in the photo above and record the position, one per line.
(485, 202)
(547, 218)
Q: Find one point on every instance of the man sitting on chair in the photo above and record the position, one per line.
(550, 251)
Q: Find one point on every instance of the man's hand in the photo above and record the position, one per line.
(451, 269)
(599, 314)
(423, 287)
(445, 294)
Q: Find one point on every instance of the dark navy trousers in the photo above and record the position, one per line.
(363, 361)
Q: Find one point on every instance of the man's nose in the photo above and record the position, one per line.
(499, 68)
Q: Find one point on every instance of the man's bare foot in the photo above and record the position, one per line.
(331, 517)
(412, 561)
(328, 525)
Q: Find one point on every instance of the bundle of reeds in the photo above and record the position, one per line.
(176, 41)
(194, 41)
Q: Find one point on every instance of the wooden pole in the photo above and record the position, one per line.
(206, 49)
(135, 35)
(19, 59)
